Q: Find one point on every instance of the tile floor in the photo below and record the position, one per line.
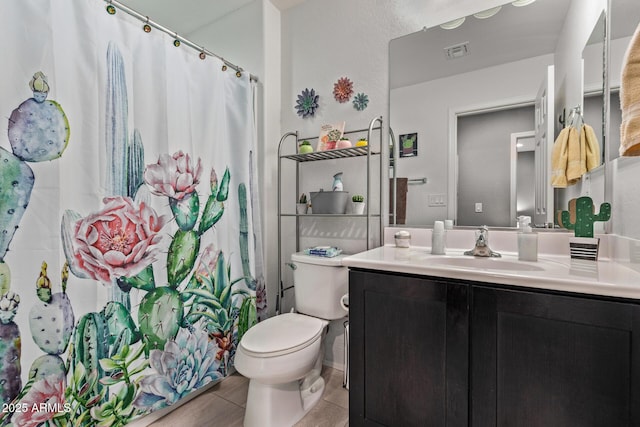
(226, 401)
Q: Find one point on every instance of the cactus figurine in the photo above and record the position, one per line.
(51, 319)
(10, 348)
(581, 216)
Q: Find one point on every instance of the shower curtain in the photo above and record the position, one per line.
(129, 266)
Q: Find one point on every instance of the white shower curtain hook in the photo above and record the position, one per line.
(111, 10)
(146, 27)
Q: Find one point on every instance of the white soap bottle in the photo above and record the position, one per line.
(438, 238)
(527, 240)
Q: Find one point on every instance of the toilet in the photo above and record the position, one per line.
(282, 356)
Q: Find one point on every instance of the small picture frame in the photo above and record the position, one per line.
(408, 146)
(330, 134)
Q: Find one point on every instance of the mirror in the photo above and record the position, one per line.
(447, 84)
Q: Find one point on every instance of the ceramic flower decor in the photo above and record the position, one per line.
(360, 101)
(342, 90)
(307, 103)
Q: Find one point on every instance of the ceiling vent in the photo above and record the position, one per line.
(457, 50)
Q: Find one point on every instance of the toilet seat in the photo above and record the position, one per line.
(282, 334)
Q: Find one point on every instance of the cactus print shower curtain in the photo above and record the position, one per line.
(128, 262)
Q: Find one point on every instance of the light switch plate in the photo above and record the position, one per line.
(478, 207)
(439, 200)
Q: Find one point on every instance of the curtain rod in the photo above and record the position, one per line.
(176, 36)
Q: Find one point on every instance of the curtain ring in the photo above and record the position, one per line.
(224, 67)
(176, 40)
(146, 27)
(203, 55)
(238, 73)
(111, 10)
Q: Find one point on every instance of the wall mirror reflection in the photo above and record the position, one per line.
(485, 97)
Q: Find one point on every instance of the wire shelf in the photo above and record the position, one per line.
(341, 153)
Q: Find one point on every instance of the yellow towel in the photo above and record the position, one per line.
(559, 157)
(576, 156)
(592, 147)
(630, 98)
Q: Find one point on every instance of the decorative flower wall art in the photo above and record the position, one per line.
(307, 103)
(360, 101)
(343, 89)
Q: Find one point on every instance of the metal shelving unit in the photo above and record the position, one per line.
(366, 152)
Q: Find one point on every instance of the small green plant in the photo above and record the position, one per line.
(303, 199)
(334, 135)
(357, 198)
(305, 142)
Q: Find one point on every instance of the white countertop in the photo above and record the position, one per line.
(554, 272)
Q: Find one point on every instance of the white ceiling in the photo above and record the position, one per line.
(187, 16)
(513, 34)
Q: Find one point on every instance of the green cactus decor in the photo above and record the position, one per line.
(581, 216)
(357, 198)
(51, 319)
(160, 317)
(10, 348)
(91, 343)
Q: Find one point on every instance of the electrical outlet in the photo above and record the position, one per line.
(437, 200)
(478, 207)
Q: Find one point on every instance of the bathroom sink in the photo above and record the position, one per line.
(483, 263)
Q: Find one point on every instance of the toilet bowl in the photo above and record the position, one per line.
(282, 356)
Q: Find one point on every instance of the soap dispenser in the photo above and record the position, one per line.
(527, 240)
(337, 182)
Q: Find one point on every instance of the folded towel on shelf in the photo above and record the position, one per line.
(630, 98)
(559, 157)
(324, 251)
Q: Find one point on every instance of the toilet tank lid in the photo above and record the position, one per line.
(335, 261)
(282, 334)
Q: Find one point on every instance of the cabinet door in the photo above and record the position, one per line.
(553, 360)
(408, 351)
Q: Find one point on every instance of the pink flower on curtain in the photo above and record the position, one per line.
(173, 176)
(207, 264)
(42, 402)
(120, 240)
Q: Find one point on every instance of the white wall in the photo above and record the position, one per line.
(323, 40)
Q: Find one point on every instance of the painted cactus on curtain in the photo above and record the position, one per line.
(115, 365)
(38, 131)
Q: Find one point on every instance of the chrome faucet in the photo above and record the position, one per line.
(482, 244)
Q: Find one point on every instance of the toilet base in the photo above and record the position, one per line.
(280, 405)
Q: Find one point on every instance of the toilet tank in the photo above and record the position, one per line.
(319, 283)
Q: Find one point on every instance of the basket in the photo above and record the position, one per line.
(329, 202)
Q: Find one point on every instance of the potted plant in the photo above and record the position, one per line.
(580, 218)
(344, 142)
(302, 205)
(357, 204)
(305, 147)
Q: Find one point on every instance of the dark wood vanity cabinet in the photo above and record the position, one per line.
(542, 359)
(440, 352)
(408, 351)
